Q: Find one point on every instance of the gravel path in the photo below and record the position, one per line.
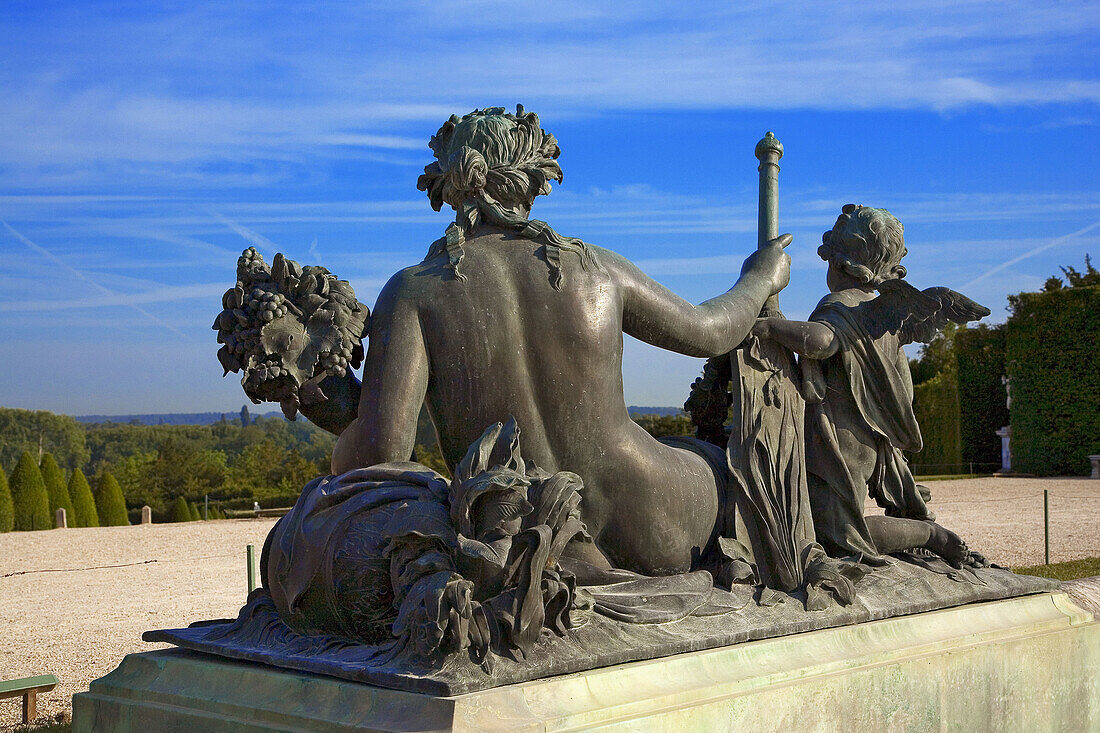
(79, 623)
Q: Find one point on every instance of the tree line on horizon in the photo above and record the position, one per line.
(233, 463)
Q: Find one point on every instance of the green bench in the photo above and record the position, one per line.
(28, 688)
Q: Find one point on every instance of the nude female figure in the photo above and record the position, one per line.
(505, 317)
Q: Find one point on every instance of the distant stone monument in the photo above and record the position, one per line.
(146, 514)
(566, 538)
(60, 521)
(1005, 434)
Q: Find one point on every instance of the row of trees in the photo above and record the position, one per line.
(33, 493)
(234, 462)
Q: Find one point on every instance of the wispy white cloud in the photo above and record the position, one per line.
(264, 91)
(161, 294)
(257, 240)
(66, 267)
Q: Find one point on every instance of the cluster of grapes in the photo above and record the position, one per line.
(251, 263)
(270, 368)
(242, 341)
(264, 380)
(336, 362)
(265, 305)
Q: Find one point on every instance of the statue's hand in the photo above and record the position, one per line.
(770, 263)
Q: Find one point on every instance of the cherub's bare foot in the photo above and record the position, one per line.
(947, 545)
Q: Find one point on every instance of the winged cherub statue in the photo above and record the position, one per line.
(859, 392)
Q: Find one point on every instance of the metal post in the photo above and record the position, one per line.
(1046, 526)
(250, 557)
(205, 506)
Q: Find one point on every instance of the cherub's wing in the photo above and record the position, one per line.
(917, 315)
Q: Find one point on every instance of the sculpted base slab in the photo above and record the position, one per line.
(1029, 663)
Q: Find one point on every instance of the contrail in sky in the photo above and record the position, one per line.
(254, 238)
(80, 275)
(1029, 253)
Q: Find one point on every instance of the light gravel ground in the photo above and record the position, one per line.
(79, 623)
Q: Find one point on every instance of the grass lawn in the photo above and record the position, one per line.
(1071, 570)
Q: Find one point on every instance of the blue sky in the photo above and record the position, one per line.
(143, 145)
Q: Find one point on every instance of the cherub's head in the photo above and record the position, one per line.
(863, 248)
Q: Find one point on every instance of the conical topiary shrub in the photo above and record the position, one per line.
(7, 510)
(84, 511)
(55, 487)
(28, 495)
(109, 503)
(196, 515)
(181, 512)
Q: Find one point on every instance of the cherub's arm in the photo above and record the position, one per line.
(656, 315)
(395, 380)
(808, 338)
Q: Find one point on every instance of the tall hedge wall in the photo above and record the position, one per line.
(1052, 350)
(980, 355)
(936, 404)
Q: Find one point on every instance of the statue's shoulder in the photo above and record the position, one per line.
(830, 301)
(411, 285)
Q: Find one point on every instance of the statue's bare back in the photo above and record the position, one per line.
(502, 342)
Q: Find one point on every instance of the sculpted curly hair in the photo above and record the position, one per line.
(490, 165)
(866, 243)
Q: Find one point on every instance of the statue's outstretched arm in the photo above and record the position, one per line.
(656, 315)
(808, 338)
(395, 380)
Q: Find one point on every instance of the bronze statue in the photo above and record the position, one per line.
(859, 415)
(565, 527)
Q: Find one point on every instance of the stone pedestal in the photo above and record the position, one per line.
(1005, 434)
(1095, 466)
(60, 519)
(147, 514)
(1030, 663)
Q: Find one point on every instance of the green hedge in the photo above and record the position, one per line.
(7, 508)
(181, 511)
(936, 404)
(109, 504)
(1052, 351)
(280, 501)
(84, 511)
(980, 355)
(28, 494)
(55, 487)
